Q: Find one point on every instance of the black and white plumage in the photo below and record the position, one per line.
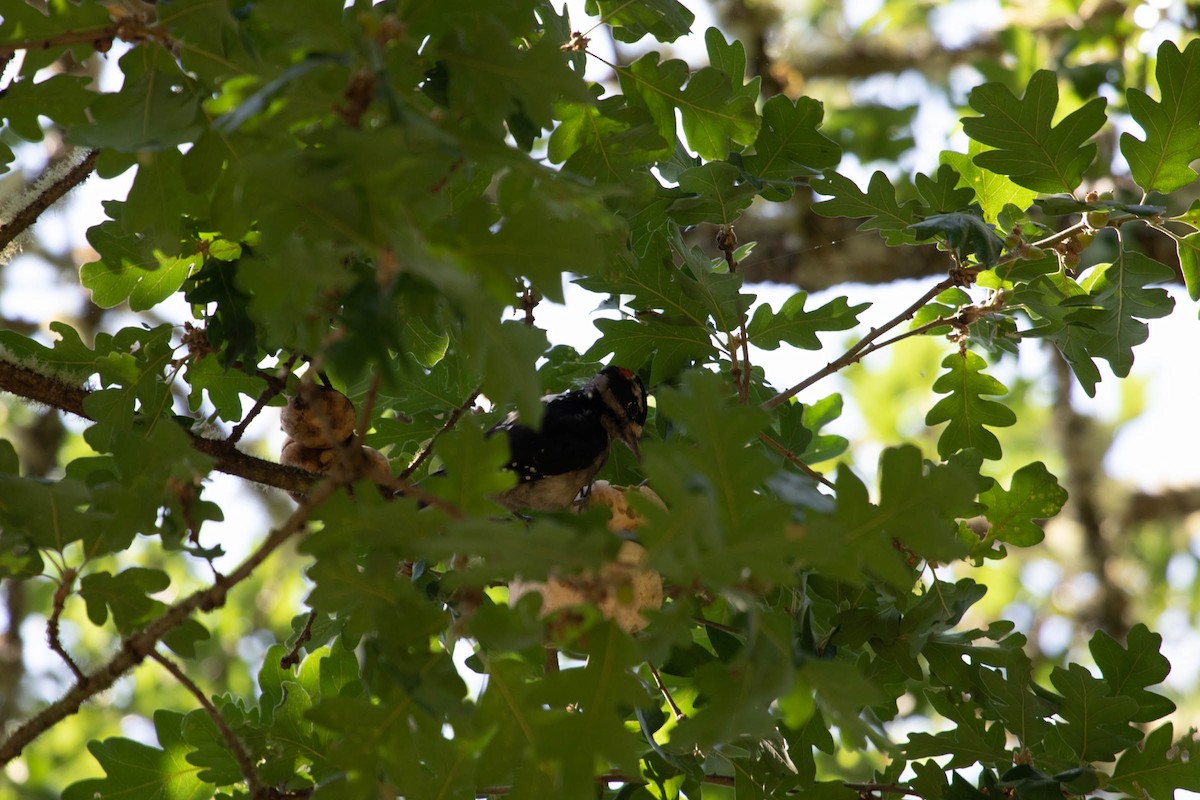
(557, 460)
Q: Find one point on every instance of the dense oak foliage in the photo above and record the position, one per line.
(377, 198)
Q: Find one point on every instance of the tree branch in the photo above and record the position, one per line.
(275, 384)
(795, 460)
(292, 658)
(65, 585)
(130, 29)
(860, 348)
(46, 197)
(138, 646)
(44, 389)
(450, 422)
(245, 765)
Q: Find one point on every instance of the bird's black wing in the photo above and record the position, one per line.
(571, 437)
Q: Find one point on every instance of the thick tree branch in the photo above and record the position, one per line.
(130, 29)
(138, 646)
(40, 388)
(47, 196)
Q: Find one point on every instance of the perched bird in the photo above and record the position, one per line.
(557, 460)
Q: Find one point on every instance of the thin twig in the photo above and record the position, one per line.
(368, 408)
(856, 351)
(795, 460)
(883, 788)
(65, 586)
(245, 765)
(450, 422)
(138, 646)
(275, 384)
(708, 623)
(662, 687)
(23, 219)
(293, 656)
(727, 244)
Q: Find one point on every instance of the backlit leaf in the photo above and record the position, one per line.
(1029, 149)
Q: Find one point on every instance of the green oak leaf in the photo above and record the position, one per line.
(1161, 163)
(136, 771)
(669, 349)
(508, 352)
(964, 234)
(606, 140)
(491, 78)
(793, 325)
(736, 698)
(129, 269)
(972, 741)
(1097, 721)
(730, 58)
(125, 593)
(62, 98)
(229, 326)
(1132, 667)
(712, 112)
(1122, 299)
(946, 192)
(159, 204)
(68, 357)
(879, 204)
(209, 40)
(849, 543)
(665, 20)
(157, 108)
(1034, 494)
(1022, 710)
(1029, 149)
(226, 387)
(47, 21)
(717, 193)
(48, 514)
(1188, 248)
(993, 191)
(1160, 767)
(790, 146)
(920, 504)
(964, 407)
(1051, 300)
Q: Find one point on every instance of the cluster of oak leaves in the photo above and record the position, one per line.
(320, 422)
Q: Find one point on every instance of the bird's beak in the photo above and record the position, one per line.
(631, 438)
